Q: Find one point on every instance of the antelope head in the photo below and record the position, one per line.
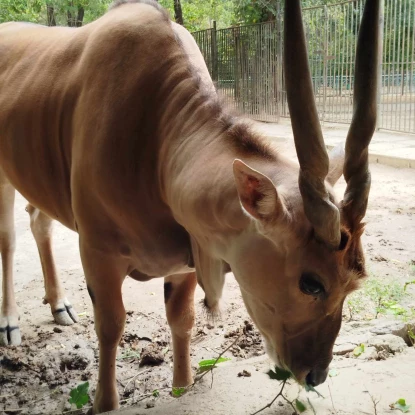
(308, 255)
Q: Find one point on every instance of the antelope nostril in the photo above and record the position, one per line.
(316, 377)
(310, 379)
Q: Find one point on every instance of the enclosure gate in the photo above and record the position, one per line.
(246, 63)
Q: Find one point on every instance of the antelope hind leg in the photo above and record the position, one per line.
(41, 227)
(9, 317)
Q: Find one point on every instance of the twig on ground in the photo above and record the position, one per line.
(282, 396)
(198, 379)
(375, 403)
(147, 315)
(331, 397)
(312, 407)
(7, 396)
(211, 349)
(133, 378)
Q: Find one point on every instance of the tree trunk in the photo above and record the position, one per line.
(70, 19)
(51, 15)
(80, 18)
(178, 14)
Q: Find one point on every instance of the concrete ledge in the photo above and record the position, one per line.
(392, 161)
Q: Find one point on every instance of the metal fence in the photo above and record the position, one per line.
(246, 63)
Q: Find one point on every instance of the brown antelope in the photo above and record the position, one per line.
(115, 131)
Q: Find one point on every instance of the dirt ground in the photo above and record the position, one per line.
(37, 377)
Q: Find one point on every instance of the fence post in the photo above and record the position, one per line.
(325, 59)
(214, 53)
(235, 32)
(380, 69)
(278, 58)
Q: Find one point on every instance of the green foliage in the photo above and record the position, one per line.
(205, 365)
(35, 11)
(21, 10)
(359, 350)
(156, 393)
(407, 284)
(255, 11)
(129, 354)
(279, 374)
(333, 373)
(300, 406)
(401, 405)
(376, 297)
(200, 14)
(177, 392)
(79, 395)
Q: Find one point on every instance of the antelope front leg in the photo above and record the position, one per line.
(179, 299)
(9, 317)
(104, 277)
(41, 227)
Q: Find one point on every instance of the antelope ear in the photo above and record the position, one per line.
(257, 193)
(336, 158)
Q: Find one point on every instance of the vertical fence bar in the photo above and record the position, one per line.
(214, 46)
(325, 53)
(380, 66)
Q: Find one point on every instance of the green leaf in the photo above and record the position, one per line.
(79, 395)
(205, 365)
(129, 354)
(333, 373)
(279, 374)
(408, 283)
(401, 405)
(156, 393)
(177, 392)
(359, 350)
(300, 406)
(310, 388)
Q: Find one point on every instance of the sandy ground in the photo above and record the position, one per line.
(37, 377)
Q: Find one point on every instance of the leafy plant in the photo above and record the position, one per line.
(284, 376)
(205, 365)
(129, 354)
(177, 392)
(79, 395)
(359, 350)
(401, 405)
(377, 297)
(279, 374)
(300, 406)
(408, 283)
(156, 393)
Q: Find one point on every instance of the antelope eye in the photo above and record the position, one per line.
(310, 285)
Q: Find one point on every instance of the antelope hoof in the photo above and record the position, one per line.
(9, 331)
(104, 404)
(64, 314)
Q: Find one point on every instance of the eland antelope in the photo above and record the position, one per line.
(114, 130)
